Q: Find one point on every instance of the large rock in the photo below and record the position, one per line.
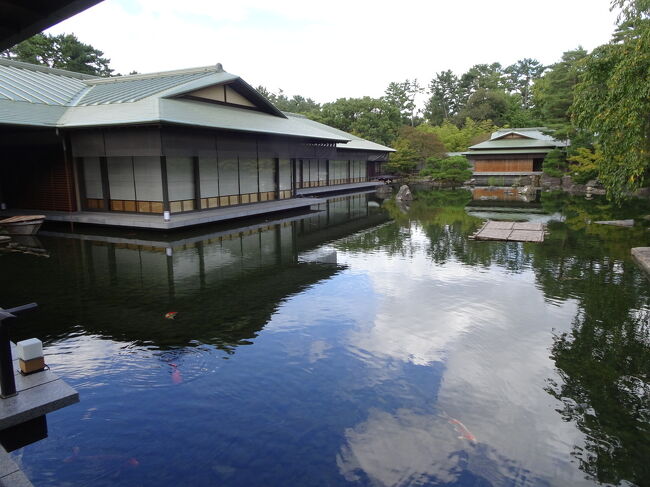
(567, 182)
(404, 194)
(527, 191)
(617, 223)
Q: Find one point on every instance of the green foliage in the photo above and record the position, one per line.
(427, 144)
(585, 164)
(370, 118)
(402, 97)
(518, 116)
(454, 170)
(413, 148)
(613, 100)
(485, 104)
(404, 160)
(484, 92)
(63, 51)
(444, 102)
(482, 77)
(553, 92)
(520, 77)
(295, 104)
(555, 163)
(457, 139)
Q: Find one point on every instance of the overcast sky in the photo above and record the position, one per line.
(338, 48)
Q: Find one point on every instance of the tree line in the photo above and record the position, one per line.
(598, 101)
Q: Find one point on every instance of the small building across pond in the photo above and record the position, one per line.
(511, 153)
(181, 141)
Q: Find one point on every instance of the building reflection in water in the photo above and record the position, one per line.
(224, 283)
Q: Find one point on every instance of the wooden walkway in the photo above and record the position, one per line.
(510, 231)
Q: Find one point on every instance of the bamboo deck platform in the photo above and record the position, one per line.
(510, 231)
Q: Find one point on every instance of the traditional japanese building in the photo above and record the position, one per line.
(512, 152)
(190, 142)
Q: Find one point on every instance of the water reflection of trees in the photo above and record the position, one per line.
(442, 218)
(604, 361)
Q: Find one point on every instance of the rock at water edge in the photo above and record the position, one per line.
(404, 194)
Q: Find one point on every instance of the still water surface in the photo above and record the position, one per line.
(366, 344)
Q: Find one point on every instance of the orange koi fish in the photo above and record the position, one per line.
(177, 378)
(462, 430)
(171, 315)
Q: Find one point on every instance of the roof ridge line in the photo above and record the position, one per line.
(158, 74)
(46, 69)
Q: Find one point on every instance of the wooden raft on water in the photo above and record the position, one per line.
(510, 231)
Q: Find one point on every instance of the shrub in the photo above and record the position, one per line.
(454, 170)
(584, 164)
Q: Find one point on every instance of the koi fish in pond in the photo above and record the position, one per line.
(177, 378)
(462, 430)
(171, 315)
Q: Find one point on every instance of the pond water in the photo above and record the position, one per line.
(363, 344)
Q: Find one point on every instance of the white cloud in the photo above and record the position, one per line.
(339, 48)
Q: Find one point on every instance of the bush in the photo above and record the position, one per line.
(584, 164)
(455, 170)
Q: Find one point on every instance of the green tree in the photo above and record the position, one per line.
(518, 116)
(371, 118)
(453, 170)
(444, 102)
(554, 164)
(427, 144)
(520, 77)
(481, 77)
(553, 92)
(402, 96)
(457, 139)
(612, 100)
(405, 159)
(63, 51)
(485, 104)
(414, 147)
(585, 164)
(295, 104)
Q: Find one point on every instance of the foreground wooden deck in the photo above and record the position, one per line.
(510, 231)
(38, 394)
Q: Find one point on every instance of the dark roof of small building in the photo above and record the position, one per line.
(527, 140)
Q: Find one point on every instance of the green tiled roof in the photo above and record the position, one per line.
(40, 96)
(506, 144)
(535, 139)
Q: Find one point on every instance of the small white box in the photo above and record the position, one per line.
(29, 349)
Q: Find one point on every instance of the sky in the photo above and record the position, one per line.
(339, 48)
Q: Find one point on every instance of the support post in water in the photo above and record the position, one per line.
(7, 380)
